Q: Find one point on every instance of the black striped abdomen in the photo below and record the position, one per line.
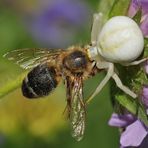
(39, 82)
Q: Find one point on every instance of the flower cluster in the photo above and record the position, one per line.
(135, 133)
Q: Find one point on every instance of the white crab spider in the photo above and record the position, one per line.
(120, 40)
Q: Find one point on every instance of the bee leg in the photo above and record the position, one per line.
(110, 72)
(96, 28)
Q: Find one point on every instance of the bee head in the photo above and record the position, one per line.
(76, 61)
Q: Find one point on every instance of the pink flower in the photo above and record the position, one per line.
(58, 23)
(135, 133)
(142, 5)
(144, 97)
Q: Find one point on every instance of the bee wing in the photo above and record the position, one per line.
(28, 58)
(76, 106)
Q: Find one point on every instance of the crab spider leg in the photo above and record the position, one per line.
(136, 62)
(110, 70)
(110, 73)
(123, 87)
(96, 27)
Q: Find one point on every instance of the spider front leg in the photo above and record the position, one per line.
(110, 73)
(96, 28)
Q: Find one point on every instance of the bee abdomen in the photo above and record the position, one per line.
(39, 82)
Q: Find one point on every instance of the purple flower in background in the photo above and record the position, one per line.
(144, 96)
(135, 133)
(133, 9)
(144, 25)
(146, 67)
(58, 23)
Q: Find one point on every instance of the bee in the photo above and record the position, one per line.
(49, 67)
(115, 42)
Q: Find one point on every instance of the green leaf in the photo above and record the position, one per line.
(105, 7)
(111, 8)
(11, 85)
(120, 7)
(133, 106)
(146, 47)
(138, 16)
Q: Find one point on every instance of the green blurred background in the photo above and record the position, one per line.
(41, 123)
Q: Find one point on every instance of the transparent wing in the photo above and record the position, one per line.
(76, 107)
(28, 58)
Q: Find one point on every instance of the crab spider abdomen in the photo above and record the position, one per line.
(120, 40)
